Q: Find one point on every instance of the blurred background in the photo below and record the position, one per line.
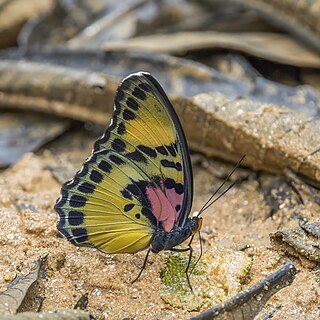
(243, 76)
(233, 47)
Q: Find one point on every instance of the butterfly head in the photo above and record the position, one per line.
(196, 224)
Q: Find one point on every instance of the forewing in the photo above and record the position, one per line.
(139, 172)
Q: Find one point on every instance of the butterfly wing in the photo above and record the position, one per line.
(137, 178)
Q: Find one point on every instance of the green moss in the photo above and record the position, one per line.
(175, 288)
(174, 276)
(215, 278)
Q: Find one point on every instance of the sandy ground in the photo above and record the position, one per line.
(28, 191)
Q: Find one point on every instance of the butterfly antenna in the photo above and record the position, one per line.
(208, 204)
(216, 199)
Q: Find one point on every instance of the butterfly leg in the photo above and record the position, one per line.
(200, 240)
(190, 249)
(143, 267)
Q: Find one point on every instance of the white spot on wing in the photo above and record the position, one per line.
(70, 182)
(81, 169)
(59, 199)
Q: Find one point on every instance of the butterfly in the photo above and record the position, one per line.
(135, 190)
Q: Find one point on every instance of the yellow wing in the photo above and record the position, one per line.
(105, 205)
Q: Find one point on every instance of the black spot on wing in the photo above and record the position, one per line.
(126, 194)
(178, 207)
(162, 150)
(79, 235)
(148, 151)
(169, 183)
(96, 176)
(136, 156)
(179, 188)
(157, 180)
(116, 159)
(132, 104)
(143, 185)
(118, 145)
(172, 150)
(134, 189)
(144, 87)
(170, 164)
(148, 213)
(138, 190)
(128, 207)
(138, 93)
(77, 201)
(105, 166)
(128, 114)
(137, 215)
(75, 218)
(86, 187)
(121, 128)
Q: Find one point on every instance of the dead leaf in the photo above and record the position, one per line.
(21, 133)
(277, 47)
(12, 298)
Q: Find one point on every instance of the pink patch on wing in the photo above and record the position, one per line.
(176, 200)
(163, 204)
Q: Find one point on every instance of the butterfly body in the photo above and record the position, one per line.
(163, 240)
(135, 190)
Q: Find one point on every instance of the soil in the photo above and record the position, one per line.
(29, 189)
